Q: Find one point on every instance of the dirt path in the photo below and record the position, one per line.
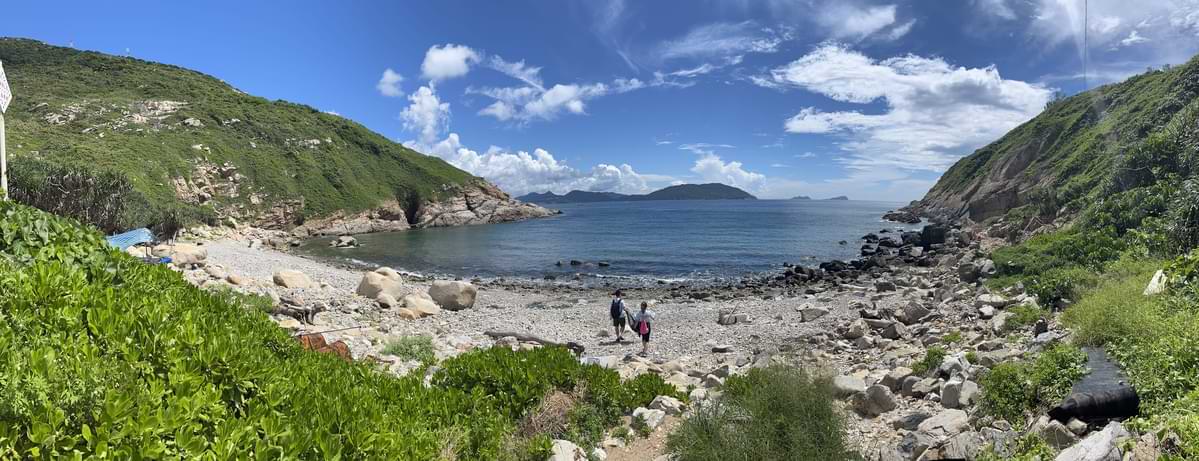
(647, 449)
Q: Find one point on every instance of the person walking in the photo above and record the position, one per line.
(616, 310)
(644, 324)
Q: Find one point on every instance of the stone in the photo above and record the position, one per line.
(958, 393)
(598, 454)
(846, 386)
(998, 322)
(454, 296)
(1076, 426)
(564, 450)
(381, 280)
(215, 272)
(1157, 284)
(993, 300)
(986, 312)
(813, 313)
(421, 305)
(183, 254)
(722, 348)
(856, 329)
(874, 401)
(968, 272)
(953, 364)
(291, 279)
(947, 423)
(895, 331)
(925, 387)
(237, 279)
(894, 379)
(909, 422)
(1055, 434)
(1099, 446)
(670, 405)
(966, 445)
(884, 286)
(407, 314)
(911, 313)
(344, 241)
(652, 418)
(387, 300)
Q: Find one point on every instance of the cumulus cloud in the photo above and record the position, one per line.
(389, 83)
(711, 168)
(522, 172)
(426, 115)
(934, 114)
(448, 61)
(527, 103)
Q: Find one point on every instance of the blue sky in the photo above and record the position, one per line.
(870, 99)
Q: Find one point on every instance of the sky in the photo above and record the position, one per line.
(869, 99)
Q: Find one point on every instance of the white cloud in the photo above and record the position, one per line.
(850, 21)
(426, 115)
(518, 70)
(664, 143)
(389, 83)
(1133, 38)
(704, 148)
(780, 165)
(526, 103)
(448, 61)
(804, 155)
(998, 8)
(522, 172)
(720, 40)
(934, 114)
(711, 168)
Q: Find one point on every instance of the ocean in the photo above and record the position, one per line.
(673, 240)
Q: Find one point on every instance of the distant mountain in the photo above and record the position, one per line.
(839, 197)
(713, 191)
(801, 197)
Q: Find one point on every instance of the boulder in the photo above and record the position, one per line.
(958, 393)
(947, 423)
(387, 300)
(1056, 434)
(966, 445)
(894, 379)
(882, 286)
(894, 331)
(670, 405)
(813, 313)
(454, 296)
(407, 314)
(652, 418)
(291, 279)
(993, 300)
(381, 280)
(911, 313)
(564, 450)
(344, 241)
(857, 329)
(184, 254)
(986, 312)
(968, 272)
(874, 401)
(933, 234)
(420, 305)
(953, 364)
(1099, 446)
(237, 279)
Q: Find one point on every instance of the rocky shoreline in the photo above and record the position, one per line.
(867, 321)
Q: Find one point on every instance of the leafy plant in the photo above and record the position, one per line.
(1011, 390)
(415, 347)
(931, 361)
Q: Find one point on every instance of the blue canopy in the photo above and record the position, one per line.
(131, 238)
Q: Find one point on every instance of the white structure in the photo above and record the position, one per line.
(5, 98)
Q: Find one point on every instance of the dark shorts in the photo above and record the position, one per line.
(618, 322)
(645, 337)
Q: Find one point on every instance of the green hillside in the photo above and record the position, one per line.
(1065, 155)
(156, 123)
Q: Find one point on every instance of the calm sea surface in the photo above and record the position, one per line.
(654, 239)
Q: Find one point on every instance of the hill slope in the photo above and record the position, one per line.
(712, 191)
(185, 139)
(1058, 160)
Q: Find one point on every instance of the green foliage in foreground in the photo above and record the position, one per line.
(1027, 448)
(103, 356)
(931, 361)
(93, 97)
(776, 413)
(1013, 389)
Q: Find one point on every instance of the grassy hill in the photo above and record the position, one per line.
(711, 191)
(1064, 156)
(174, 133)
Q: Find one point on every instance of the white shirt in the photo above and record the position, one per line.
(647, 316)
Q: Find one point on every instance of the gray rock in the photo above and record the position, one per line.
(895, 331)
(813, 313)
(945, 424)
(1056, 434)
(1157, 284)
(993, 300)
(564, 450)
(1076, 426)
(454, 296)
(953, 364)
(846, 386)
(1099, 446)
(894, 379)
(670, 405)
(966, 445)
(910, 422)
(652, 418)
(875, 401)
(911, 313)
(958, 394)
(986, 312)
(291, 279)
(722, 348)
(856, 329)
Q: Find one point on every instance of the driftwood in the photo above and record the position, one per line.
(302, 313)
(524, 338)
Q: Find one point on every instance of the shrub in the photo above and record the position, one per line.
(931, 361)
(1012, 389)
(954, 336)
(775, 413)
(1023, 315)
(1182, 221)
(1114, 310)
(1027, 448)
(415, 347)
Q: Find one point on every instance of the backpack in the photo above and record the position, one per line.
(616, 310)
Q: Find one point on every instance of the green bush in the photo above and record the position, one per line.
(416, 347)
(104, 356)
(1113, 311)
(931, 361)
(1055, 265)
(1023, 315)
(1011, 390)
(775, 413)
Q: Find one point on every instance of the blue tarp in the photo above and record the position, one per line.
(131, 238)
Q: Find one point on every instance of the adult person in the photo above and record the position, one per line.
(616, 310)
(644, 324)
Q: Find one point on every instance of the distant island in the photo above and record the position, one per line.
(839, 197)
(801, 197)
(713, 191)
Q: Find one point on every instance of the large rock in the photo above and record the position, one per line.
(958, 393)
(1099, 446)
(564, 450)
(857, 329)
(911, 313)
(876, 400)
(894, 379)
(1157, 285)
(454, 296)
(992, 300)
(652, 418)
(813, 313)
(381, 280)
(670, 405)
(947, 423)
(183, 254)
(846, 386)
(1056, 434)
(292, 279)
(421, 305)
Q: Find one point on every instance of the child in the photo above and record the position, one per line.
(643, 322)
(616, 311)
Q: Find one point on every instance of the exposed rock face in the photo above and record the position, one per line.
(478, 203)
(482, 203)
